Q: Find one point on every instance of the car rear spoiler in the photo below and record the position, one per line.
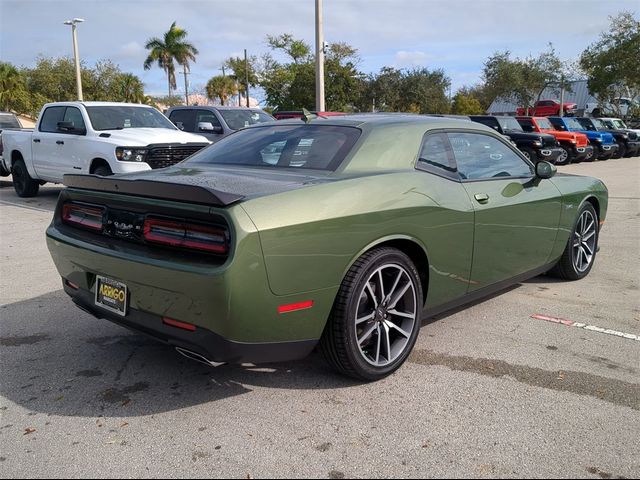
(153, 189)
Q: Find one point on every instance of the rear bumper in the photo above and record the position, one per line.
(204, 342)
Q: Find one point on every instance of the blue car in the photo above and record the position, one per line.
(604, 145)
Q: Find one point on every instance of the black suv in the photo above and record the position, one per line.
(627, 140)
(535, 146)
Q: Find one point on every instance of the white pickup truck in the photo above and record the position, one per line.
(101, 138)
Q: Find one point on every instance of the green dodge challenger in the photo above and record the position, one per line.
(344, 232)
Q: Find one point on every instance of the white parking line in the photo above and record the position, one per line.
(592, 328)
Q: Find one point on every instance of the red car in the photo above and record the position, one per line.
(575, 145)
(549, 108)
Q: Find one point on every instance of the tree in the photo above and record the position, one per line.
(220, 87)
(240, 72)
(12, 86)
(611, 63)
(424, 91)
(167, 49)
(465, 104)
(131, 89)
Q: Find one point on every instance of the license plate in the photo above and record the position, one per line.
(112, 295)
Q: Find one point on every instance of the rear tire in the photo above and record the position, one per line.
(580, 253)
(23, 184)
(376, 316)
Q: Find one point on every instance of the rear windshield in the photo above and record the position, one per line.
(237, 119)
(282, 146)
(121, 117)
(8, 121)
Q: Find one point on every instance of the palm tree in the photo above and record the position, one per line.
(171, 47)
(10, 83)
(221, 87)
(130, 88)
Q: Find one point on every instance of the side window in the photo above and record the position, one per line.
(206, 116)
(74, 116)
(436, 156)
(481, 156)
(558, 125)
(489, 122)
(184, 119)
(527, 125)
(50, 118)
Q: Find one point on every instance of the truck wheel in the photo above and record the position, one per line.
(376, 316)
(24, 185)
(622, 150)
(103, 171)
(565, 156)
(591, 157)
(530, 154)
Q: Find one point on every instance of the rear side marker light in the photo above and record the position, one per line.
(83, 216)
(292, 307)
(185, 235)
(175, 323)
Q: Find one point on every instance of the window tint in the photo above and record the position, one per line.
(207, 116)
(121, 117)
(558, 124)
(8, 121)
(489, 122)
(283, 146)
(436, 156)
(50, 118)
(74, 116)
(184, 120)
(481, 156)
(237, 119)
(526, 124)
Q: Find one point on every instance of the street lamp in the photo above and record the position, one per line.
(73, 24)
(320, 48)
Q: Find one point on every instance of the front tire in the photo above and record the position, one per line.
(530, 154)
(580, 253)
(23, 184)
(103, 171)
(621, 152)
(565, 156)
(376, 316)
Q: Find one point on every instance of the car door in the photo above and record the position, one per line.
(45, 147)
(69, 149)
(207, 116)
(516, 214)
(184, 119)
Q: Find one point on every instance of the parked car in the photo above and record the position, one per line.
(8, 121)
(620, 106)
(387, 219)
(215, 123)
(100, 138)
(628, 144)
(535, 146)
(285, 115)
(618, 124)
(548, 108)
(602, 142)
(575, 146)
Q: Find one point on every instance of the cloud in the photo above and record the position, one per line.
(132, 50)
(405, 59)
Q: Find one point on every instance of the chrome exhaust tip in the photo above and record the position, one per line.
(196, 357)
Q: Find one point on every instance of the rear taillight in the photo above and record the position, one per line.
(186, 235)
(83, 216)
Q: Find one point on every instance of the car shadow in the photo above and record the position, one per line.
(45, 200)
(59, 360)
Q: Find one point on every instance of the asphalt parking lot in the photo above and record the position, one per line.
(488, 392)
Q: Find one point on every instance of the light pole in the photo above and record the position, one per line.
(73, 24)
(319, 59)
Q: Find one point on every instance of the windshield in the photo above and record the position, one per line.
(120, 117)
(282, 146)
(544, 124)
(237, 119)
(8, 121)
(573, 123)
(598, 123)
(509, 123)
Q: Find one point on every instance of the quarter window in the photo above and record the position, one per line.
(481, 156)
(436, 156)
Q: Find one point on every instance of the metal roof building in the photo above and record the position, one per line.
(576, 92)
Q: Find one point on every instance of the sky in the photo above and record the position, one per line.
(455, 35)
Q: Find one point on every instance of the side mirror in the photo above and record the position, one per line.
(545, 170)
(208, 127)
(68, 127)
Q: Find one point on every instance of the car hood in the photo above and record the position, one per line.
(141, 137)
(602, 136)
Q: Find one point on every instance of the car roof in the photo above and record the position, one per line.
(388, 119)
(215, 107)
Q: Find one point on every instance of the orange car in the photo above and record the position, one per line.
(575, 145)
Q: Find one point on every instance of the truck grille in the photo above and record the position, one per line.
(162, 156)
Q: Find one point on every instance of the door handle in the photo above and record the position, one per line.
(60, 142)
(481, 197)
(36, 140)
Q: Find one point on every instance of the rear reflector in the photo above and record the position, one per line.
(83, 216)
(292, 307)
(185, 235)
(175, 323)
